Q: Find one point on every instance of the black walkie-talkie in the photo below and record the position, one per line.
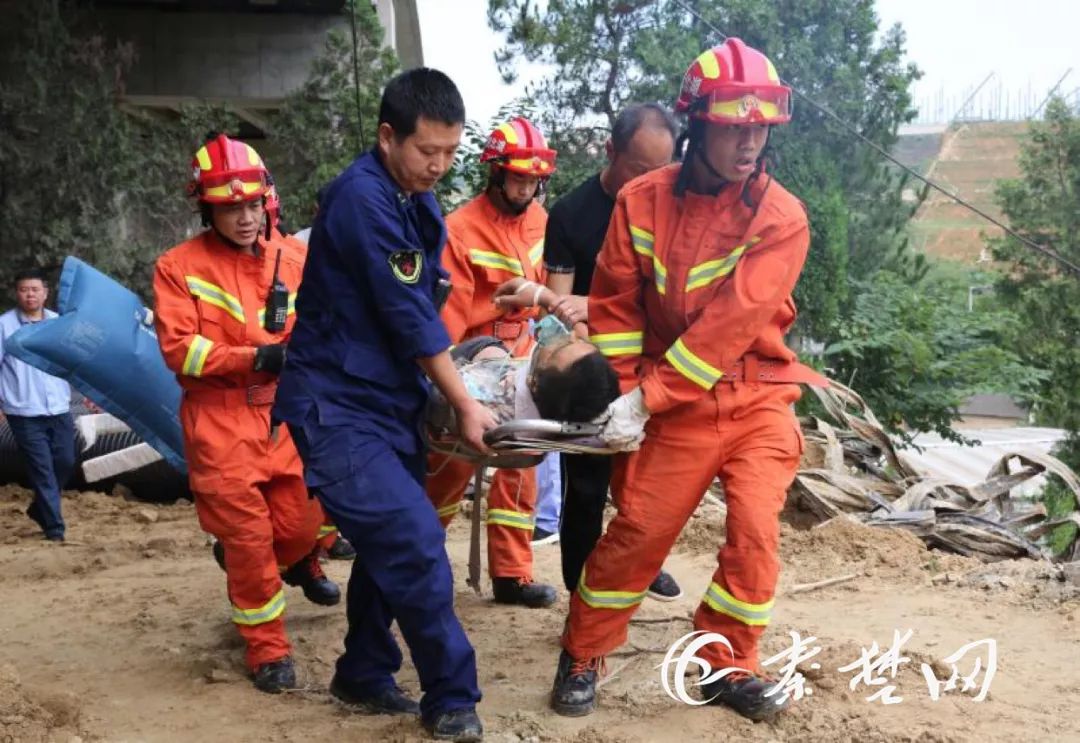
(442, 293)
(277, 303)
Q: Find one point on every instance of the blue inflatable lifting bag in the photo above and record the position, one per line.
(105, 346)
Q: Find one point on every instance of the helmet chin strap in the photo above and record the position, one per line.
(499, 181)
(235, 245)
(695, 136)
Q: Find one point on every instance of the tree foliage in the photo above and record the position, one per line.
(82, 175)
(916, 352)
(1042, 206)
(72, 164)
(605, 54)
(320, 130)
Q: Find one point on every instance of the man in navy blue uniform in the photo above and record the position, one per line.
(353, 392)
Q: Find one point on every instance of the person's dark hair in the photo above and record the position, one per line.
(29, 274)
(420, 92)
(632, 118)
(578, 393)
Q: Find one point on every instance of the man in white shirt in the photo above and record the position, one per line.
(37, 406)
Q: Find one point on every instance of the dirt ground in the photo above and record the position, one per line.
(122, 634)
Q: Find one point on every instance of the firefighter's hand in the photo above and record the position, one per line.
(473, 420)
(622, 425)
(270, 358)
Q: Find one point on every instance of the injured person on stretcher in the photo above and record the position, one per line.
(565, 379)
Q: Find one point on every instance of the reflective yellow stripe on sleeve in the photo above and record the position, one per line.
(449, 510)
(196, 356)
(704, 274)
(326, 529)
(694, 368)
(536, 252)
(619, 344)
(608, 599)
(498, 261)
(514, 519)
(719, 600)
(643, 241)
(268, 612)
(215, 295)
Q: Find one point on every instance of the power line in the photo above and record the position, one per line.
(1051, 254)
(356, 78)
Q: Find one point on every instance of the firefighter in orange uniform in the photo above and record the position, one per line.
(497, 236)
(691, 300)
(223, 312)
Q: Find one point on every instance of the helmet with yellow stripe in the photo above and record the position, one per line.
(519, 147)
(227, 171)
(734, 84)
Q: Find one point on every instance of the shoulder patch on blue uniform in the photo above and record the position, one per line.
(406, 265)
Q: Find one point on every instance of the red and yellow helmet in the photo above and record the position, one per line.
(273, 201)
(734, 84)
(518, 146)
(226, 171)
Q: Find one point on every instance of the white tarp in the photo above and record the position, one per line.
(968, 465)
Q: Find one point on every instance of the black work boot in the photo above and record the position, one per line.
(574, 692)
(219, 554)
(389, 701)
(341, 550)
(276, 676)
(308, 574)
(746, 694)
(461, 725)
(664, 588)
(523, 591)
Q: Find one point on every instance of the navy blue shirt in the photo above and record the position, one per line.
(365, 309)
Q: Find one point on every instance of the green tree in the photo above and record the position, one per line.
(66, 160)
(605, 54)
(79, 175)
(916, 353)
(320, 130)
(1042, 206)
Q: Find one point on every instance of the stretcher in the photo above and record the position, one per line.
(515, 444)
(521, 443)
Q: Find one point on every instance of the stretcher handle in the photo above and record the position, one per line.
(539, 427)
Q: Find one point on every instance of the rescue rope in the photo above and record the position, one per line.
(1028, 242)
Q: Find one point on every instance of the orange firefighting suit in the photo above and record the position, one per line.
(484, 249)
(690, 300)
(249, 490)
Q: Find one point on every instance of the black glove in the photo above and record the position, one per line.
(270, 358)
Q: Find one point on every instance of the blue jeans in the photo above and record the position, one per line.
(47, 443)
(548, 493)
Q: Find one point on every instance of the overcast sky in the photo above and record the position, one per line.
(956, 43)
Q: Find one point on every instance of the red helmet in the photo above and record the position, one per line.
(519, 146)
(734, 84)
(225, 171)
(273, 201)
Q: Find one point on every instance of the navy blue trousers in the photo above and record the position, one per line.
(375, 495)
(47, 443)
